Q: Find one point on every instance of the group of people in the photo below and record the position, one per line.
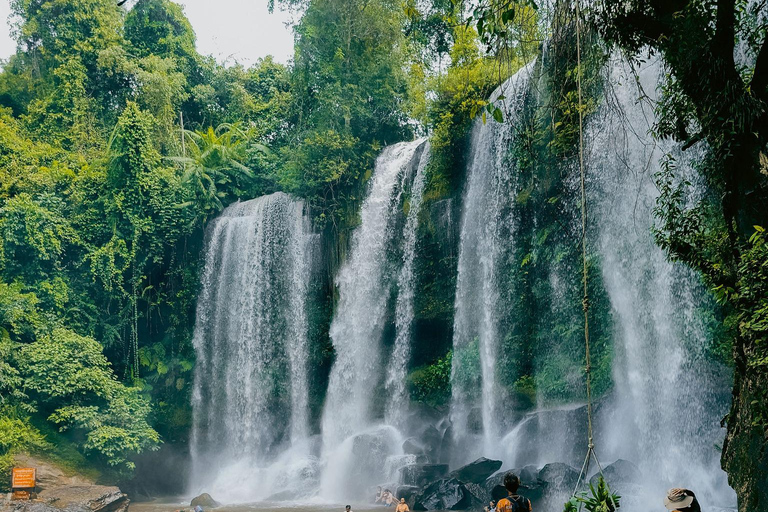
(385, 497)
(677, 499)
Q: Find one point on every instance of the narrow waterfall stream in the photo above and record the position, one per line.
(397, 368)
(487, 228)
(354, 436)
(251, 342)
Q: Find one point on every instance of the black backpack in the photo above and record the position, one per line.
(519, 503)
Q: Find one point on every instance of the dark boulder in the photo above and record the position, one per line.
(476, 472)
(204, 500)
(422, 474)
(409, 492)
(494, 487)
(479, 492)
(558, 481)
(529, 475)
(558, 476)
(446, 494)
(619, 473)
(624, 479)
(431, 440)
(412, 447)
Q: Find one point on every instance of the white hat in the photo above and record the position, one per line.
(678, 498)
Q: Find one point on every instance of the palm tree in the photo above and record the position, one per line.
(213, 166)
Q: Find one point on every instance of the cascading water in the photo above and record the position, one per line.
(485, 244)
(354, 446)
(669, 398)
(250, 398)
(664, 414)
(397, 368)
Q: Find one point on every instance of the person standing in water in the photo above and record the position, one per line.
(402, 506)
(514, 502)
(348, 508)
(681, 500)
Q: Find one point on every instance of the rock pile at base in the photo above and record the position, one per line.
(472, 486)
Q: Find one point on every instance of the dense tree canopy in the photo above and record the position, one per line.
(119, 142)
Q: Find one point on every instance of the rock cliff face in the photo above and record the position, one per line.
(745, 452)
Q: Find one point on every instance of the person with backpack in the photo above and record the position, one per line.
(514, 502)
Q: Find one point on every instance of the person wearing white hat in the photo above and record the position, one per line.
(681, 500)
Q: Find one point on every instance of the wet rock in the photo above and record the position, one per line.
(475, 421)
(281, 496)
(619, 473)
(477, 472)
(559, 476)
(446, 446)
(494, 487)
(370, 451)
(412, 446)
(557, 480)
(529, 475)
(479, 492)
(446, 494)
(77, 498)
(422, 474)
(409, 492)
(431, 439)
(204, 500)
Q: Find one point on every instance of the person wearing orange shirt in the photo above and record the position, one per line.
(514, 502)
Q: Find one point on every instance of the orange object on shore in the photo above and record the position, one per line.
(22, 482)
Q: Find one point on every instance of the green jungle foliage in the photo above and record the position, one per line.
(119, 142)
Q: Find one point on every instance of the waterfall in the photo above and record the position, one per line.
(485, 243)
(365, 285)
(663, 413)
(250, 397)
(669, 398)
(397, 368)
